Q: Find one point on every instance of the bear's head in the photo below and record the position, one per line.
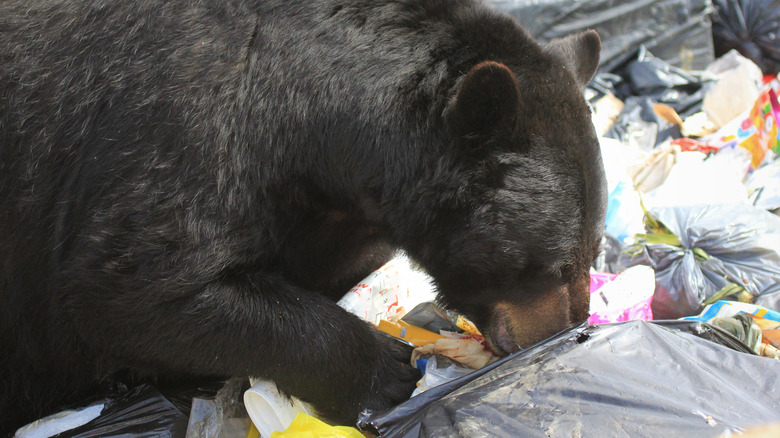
(529, 222)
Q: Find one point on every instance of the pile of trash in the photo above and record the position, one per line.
(696, 196)
(619, 370)
(684, 333)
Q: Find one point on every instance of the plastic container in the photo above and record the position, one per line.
(269, 410)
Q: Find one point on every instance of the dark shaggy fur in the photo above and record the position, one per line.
(187, 186)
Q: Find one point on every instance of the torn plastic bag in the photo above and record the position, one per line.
(722, 246)
(223, 415)
(627, 379)
(653, 77)
(115, 410)
(648, 81)
(639, 126)
(678, 31)
(752, 27)
(141, 412)
(437, 371)
(62, 421)
(736, 90)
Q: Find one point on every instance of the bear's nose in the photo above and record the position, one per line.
(514, 325)
(502, 343)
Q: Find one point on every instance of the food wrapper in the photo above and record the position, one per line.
(389, 292)
(378, 296)
(731, 308)
(624, 297)
(757, 131)
(767, 320)
(408, 333)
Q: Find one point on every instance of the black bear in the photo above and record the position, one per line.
(187, 187)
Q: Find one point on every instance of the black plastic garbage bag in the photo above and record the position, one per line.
(639, 124)
(601, 85)
(721, 245)
(670, 379)
(141, 412)
(678, 31)
(645, 82)
(650, 76)
(752, 27)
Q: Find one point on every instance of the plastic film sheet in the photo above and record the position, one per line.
(628, 379)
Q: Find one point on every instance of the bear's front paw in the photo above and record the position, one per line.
(395, 378)
(381, 383)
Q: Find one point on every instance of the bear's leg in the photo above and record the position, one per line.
(331, 252)
(258, 325)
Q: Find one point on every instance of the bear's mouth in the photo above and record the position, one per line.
(500, 339)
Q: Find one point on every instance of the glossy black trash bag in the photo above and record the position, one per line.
(141, 412)
(677, 31)
(752, 27)
(670, 379)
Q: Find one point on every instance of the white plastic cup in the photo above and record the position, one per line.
(269, 410)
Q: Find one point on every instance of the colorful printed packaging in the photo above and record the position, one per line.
(757, 132)
(624, 297)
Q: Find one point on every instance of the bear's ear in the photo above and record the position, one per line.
(580, 52)
(487, 99)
